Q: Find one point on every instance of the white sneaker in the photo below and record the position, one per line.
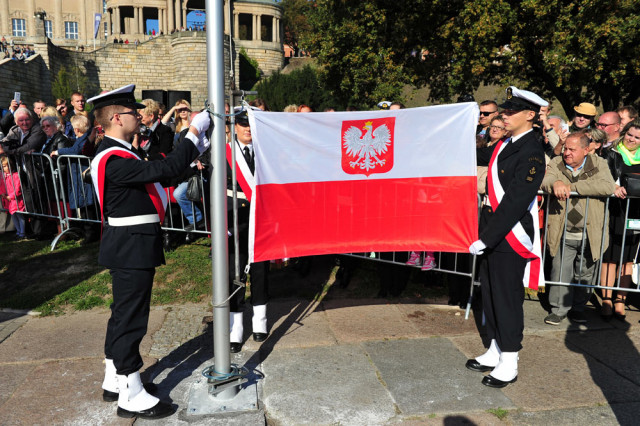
(414, 259)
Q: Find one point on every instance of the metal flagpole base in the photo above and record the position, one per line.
(207, 394)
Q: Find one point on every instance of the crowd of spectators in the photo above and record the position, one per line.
(594, 155)
(17, 52)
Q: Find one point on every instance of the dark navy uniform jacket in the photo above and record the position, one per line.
(136, 246)
(521, 168)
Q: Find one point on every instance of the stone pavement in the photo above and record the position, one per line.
(341, 361)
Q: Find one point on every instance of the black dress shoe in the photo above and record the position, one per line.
(492, 382)
(474, 365)
(260, 337)
(158, 411)
(108, 396)
(234, 348)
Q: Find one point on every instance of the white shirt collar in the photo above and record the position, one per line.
(515, 138)
(125, 143)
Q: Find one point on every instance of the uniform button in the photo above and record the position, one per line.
(501, 171)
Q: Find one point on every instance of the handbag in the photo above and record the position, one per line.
(631, 182)
(194, 192)
(635, 270)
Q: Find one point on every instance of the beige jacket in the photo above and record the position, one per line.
(594, 180)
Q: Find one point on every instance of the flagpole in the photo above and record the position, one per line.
(218, 193)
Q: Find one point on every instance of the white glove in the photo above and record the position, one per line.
(477, 247)
(201, 142)
(201, 121)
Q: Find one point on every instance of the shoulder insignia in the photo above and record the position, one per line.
(532, 171)
(536, 159)
(529, 178)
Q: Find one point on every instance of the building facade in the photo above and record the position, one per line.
(255, 24)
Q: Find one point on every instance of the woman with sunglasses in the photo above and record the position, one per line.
(178, 117)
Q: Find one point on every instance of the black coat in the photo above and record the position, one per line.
(521, 168)
(160, 142)
(138, 246)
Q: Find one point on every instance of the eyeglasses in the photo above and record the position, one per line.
(487, 113)
(134, 113)
(496, 127)
(589, 117)
(604, 124)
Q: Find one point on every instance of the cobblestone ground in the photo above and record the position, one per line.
(182, 324)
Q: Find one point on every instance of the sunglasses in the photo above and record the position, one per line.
(184, 110)
(134, 113)
(584, 115)
(242, 123)
(487, 113)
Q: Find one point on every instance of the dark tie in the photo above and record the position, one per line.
(249, 158)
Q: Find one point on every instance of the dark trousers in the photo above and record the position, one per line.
(259, 273)
(129, 317)
(502, 298)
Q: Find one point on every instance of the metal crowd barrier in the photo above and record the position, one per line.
(57, 192)
(60, 189)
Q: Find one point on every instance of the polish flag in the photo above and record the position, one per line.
(345, 182)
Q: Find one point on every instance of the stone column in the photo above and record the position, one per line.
(82, 25)
(58, 24)
(109, 19)
(30, 22)
(5, 22)
(236, 25)
(171, 23)
(274, 29)
(141, 20)
(178, 15)
(254, 25)
(117, 28)
(136, 20)
(160, 21)
(227, 23)
(184, 14)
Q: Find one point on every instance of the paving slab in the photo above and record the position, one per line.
(61, 392)
(438, 321)
(553, 375)
(617, 414)
(427, 376)
(10, 322)
(614, 348)
(293, 323)
(361, 320)
(77, 335)
(324, 385)
(534, 315)
(12, 376)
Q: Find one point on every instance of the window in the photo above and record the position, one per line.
(71, 30)
(48, 29)
(19, 28)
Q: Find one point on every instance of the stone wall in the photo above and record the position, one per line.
(31, 78)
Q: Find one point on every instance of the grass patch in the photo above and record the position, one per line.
(500, 413)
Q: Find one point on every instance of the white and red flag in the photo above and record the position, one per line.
(345, 182)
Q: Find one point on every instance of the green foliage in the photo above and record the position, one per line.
(350, 39)
(68, 81)
(571, 51)
(500, 413)
(295, 21)
(301, 86)
(249, 70)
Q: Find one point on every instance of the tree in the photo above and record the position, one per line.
(295, 22)
(571, 51)
(359, 65)
(249, 70)
(301, 86)
(68, 81)
(578, 51)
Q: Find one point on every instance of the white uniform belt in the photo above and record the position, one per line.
(134, 220)
(238, 194)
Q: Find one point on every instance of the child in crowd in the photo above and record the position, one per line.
(415, 259)
(11, 194)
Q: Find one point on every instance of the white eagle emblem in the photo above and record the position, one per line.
(367, 147)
